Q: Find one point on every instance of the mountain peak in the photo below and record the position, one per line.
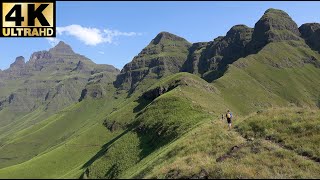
(18, 63)
(277, 20)
(166, 36)
(61, 43)
(239, 29)
(275, 25)
(275, 11)
(164, 55)
(61, 48)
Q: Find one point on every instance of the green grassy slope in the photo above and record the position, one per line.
(296, 129)
(170, 128)
(74, 120)
(162, 121)
(67, 142)
(277, 76)
(55, 131)
(257, 82)
(9, 86)
(64, 160)
(179, 134)
(14, 120)
(195, 155)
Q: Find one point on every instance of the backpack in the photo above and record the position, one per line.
(229, 115)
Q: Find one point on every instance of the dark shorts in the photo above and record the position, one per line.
(229, 120)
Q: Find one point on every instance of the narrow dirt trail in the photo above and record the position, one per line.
(282, 146)
(314, 159)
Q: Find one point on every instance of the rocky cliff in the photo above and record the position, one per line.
(164, 55)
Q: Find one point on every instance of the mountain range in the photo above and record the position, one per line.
(63, 116)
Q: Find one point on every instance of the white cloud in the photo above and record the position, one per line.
(53, 41)
(101, 52)
(92, 36)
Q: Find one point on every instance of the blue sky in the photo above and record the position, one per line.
(114, 32)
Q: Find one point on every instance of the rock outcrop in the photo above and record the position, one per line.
(17, 69)
(225, 50)
(165, 55)
(19, 63)
(311, 33)
(192, 62)
(274, 26)
(210, 59)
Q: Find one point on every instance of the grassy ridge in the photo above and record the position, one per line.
(163, 120)
(195, 154)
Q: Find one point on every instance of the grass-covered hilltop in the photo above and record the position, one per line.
(63, 116)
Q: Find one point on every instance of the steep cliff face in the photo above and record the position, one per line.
(211, 59)
(19, 63)
(191, 65)
(274, 26)
(165, 55)
(223, 51)
(17, 69)
(311, 33)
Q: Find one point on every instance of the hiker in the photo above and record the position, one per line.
(229, 118)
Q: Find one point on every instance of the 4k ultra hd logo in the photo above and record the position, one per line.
(28, 19)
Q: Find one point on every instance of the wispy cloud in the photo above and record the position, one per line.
(91, 36)
(110, 34)
(101, 52)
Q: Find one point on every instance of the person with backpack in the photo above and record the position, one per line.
(229, 119)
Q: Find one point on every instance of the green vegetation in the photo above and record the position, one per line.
(244, 88)
(53, 140)
(157, 122)
(294, 128)
(266, 79)
(31, 94)
(196, 153)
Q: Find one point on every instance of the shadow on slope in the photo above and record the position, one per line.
(160, 118)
